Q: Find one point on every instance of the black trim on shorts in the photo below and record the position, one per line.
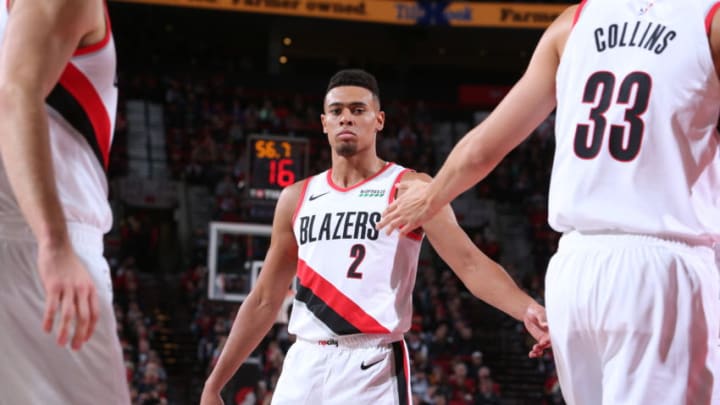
(339, 325)
(72, 111)
(402, 382)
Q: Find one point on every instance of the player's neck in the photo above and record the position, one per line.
(348, 171)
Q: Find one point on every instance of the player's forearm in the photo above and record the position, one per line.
(464, 167)
(254, 319)
(26, 156)
(493, 285)
(485, 279)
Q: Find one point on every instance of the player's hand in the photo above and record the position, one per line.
(70, 290)
(535, 322)
(409, 211)
(210, 397)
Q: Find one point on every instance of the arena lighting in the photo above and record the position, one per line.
(287, 41)
(283, 59)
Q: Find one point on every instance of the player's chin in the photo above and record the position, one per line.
(346, 148)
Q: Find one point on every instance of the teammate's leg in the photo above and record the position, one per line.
(660, 349)
(34, 368)
(567, 297)
(302, 378)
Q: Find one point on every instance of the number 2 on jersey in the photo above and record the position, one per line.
(604, 82)
(358, 253)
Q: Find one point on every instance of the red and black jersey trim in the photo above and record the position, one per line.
(77, 101)
(324, 313)
(709, 17)
(87, 49)
(331, 306)
(401, 372)
(578, 11)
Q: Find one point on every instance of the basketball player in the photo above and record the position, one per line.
(57, 111)
(632, 292)
(354, 300)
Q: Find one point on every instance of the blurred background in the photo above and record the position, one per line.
(219, 109)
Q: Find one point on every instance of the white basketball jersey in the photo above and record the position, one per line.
(81, 116)
(637, 145)
(352, 278)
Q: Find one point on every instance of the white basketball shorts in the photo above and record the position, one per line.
(344, 372)
(633, 320)
(34, 369)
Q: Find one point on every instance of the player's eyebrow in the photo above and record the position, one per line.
(350, 104)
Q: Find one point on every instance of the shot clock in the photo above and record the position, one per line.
(275, 162)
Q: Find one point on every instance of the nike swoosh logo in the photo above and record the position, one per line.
(365, 367)
(313, 197)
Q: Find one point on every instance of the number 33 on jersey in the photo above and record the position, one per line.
(638, 96)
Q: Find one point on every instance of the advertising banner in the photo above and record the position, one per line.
(401, 12)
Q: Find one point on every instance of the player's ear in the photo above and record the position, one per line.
(322, 120)
(380, 121)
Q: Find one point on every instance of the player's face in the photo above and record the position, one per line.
(351, 119)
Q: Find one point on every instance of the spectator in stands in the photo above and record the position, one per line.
(459, 381)
(486, 394)
(484, 377)
(476, 362)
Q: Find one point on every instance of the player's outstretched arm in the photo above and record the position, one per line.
(39, 40)
(528, 103)
(484, 278)
(259, 311)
